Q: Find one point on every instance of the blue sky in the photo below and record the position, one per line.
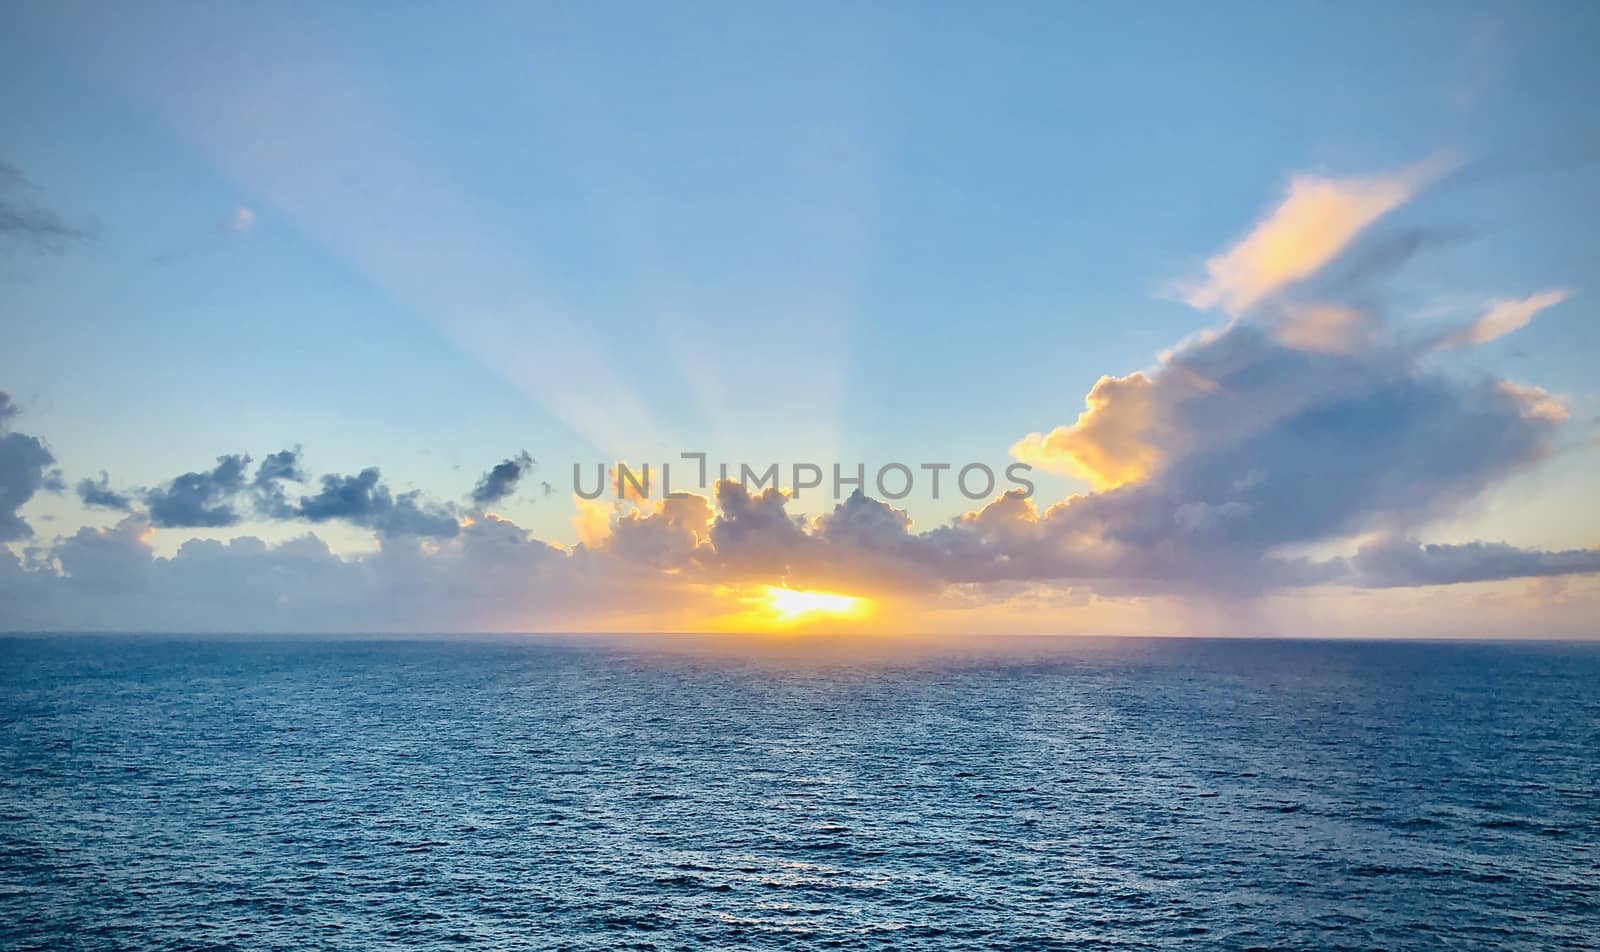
(423, 239)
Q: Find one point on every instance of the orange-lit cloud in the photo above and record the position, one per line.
(591, 520)
(1324, 328)
(1108, 445)
(1537, 402)
(1316, 219)
(1505, 316)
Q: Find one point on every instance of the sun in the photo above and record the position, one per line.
(791, 605)
(779, 608)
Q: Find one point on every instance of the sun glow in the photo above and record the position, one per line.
(778, 608)
(789, 605)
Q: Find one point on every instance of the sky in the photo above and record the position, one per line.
(308, 312)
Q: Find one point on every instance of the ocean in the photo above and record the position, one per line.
(662, 793)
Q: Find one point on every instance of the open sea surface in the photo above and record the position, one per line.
(255, 793)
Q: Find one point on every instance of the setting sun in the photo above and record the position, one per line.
(790, 604)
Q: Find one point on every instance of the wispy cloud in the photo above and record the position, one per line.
(1503, 317)
(1316, 219)
(26, 223)
(98, 494)
(1328, 328)
(1406, 562)
(241, 221)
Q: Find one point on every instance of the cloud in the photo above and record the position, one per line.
(676, 532)
(1238, 448)
(1504, 317)
(664, 564)
(1246, 446)
(23, 463)
(1373, 256)
(271, 500)
(241, 221)
(1536, 402)
(278, 467)
(364, 500)
(200, 500)
(491, 576)
(100, 495)
(754, 536)
(1317, 218)
(1110, 444)
(1307, 423)
(1329, 328)
(738, 537)
(28, 224)
(502, 480)
(591, 520)
(236, 225)
(1406, 562)
(225, 495)
(112, 560)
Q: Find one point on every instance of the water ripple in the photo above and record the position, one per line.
(206, 793)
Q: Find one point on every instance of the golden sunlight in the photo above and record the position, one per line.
(778, 608)
(789, 604)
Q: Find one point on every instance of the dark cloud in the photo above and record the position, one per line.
(225, 495)
(754, 536)
(99, 494)
(1247, 445)
(864, 521)
(270, 498)
(738, 536)
(1387, 453)
(1371, 260)
(502, 480)
(281, 466)
(200, 500)
(868, 541)
(23, 471)
(676, 534)
(26, 223)
(1406, 562)
(364, 500)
